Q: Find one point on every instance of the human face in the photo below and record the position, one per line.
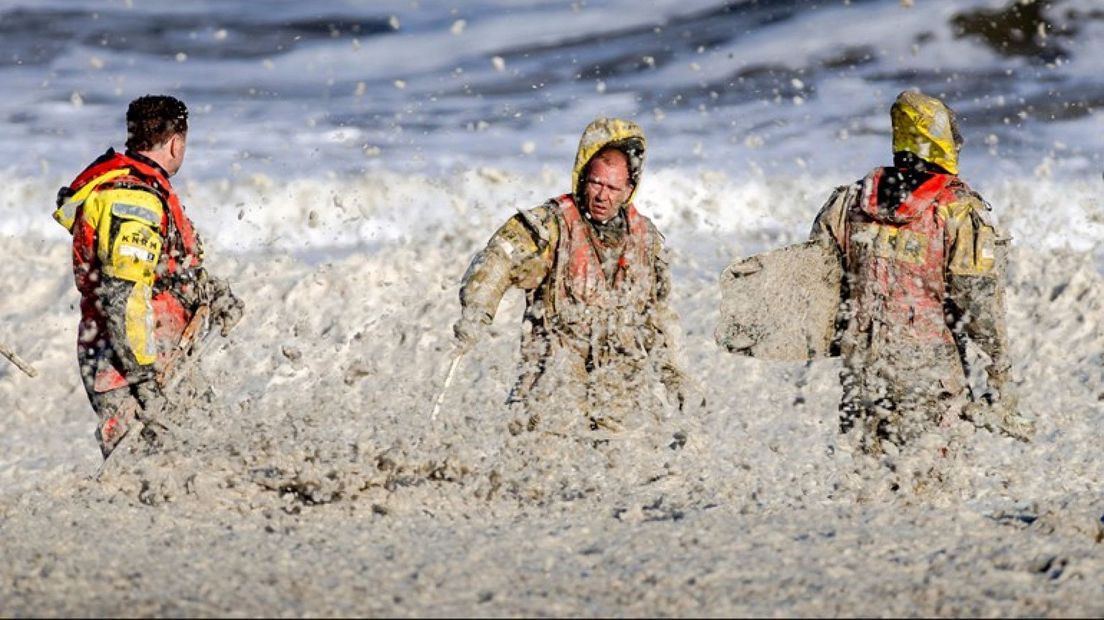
(607, 185)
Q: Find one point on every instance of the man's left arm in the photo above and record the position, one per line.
(974, 285)
(975, 290)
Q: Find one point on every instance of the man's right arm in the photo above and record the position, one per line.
(830, 222)
(518, 255)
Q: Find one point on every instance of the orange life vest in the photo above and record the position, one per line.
(579, 275)
(602, 313)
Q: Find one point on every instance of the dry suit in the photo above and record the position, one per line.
(598, 333)
(138, 265)
(923, 271)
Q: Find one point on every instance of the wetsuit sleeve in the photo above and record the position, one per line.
(667, 349)
(129, 247)
(975, 288)
(518, 255)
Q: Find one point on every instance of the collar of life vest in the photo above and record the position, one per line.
(913, 206)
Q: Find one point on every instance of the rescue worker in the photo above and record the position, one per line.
(597, 327)
(923, 276)
(138, 265)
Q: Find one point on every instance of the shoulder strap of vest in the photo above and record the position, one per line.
(956, 185)
(544, 228)
(138, 175)
(638, 224)
(568, 209)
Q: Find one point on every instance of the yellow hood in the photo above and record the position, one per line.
(926, 127)
(607, 132)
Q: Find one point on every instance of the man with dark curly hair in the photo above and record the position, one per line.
(138, 265)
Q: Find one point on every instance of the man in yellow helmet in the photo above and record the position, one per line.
(597, 326)
(923, 268)
(138, 265)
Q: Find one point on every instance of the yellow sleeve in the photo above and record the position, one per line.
(971, 239)
(975, 290)
(129, 234)
(129, 246)
(519, 255)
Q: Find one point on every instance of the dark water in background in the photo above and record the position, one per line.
(786, 86)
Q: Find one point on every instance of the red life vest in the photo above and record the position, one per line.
(579, 275)
(176, 228)
(603, 319)
(896, 260)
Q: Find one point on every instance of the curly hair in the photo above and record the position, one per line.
(153, 119)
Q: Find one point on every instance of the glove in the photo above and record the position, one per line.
(468, 331)
(226, 308)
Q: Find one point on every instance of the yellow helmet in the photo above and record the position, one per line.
(926, 127)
